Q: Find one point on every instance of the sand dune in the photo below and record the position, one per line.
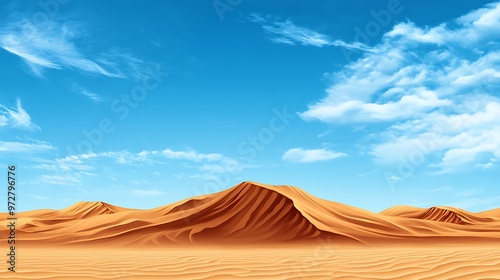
(492, 214)
(89, 209)
(440, 214)
(253, 213)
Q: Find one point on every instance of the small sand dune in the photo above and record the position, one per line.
(441, 214)
(84, 210)
(492, 214)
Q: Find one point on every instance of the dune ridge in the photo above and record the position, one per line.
(253, 213)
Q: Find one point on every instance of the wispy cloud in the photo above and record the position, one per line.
(299, 155)
(373, 171)
(54, 45)
(204, 176)
(286, 32)
(394, 178)
(37, 196)
(435, 88)
(90, 95)
(18, 147)
(471, 202)
(16, 117)
(66, 179)
(467, 192)
(147, 193)
(69, 163)
(191, 155)
(443, 189)
(80, 165)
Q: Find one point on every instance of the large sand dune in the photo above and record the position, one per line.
(253, 213)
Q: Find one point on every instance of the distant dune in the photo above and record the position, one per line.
(89, 209)
(493, 214)
(253, 213)
(443, 214)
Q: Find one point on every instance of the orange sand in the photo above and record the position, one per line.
(316, 262)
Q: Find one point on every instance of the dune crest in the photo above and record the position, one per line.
(90, 209)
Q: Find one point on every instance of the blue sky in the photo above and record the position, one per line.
(368, 103)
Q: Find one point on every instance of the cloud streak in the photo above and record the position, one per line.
(66, 179)
(300, 155)
(18, 147)
(54, 45)
(90, 95)
(146, 193)
(286, 32)
(83, 164)
(16, 117)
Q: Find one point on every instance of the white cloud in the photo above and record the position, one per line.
(476, 27)
(78, 162)
(83, 162)
(358, 111)
(54, 45)
(191, 155)
(37, 196)
(148, 193)
(286, 32)
(225, 166)
(459, 140)
(18, 147)
(205, 176)
(78, 166)
(300, 155)
(487, 165)
(435, 88)
(443, 189)
(394, 178)
(16, 117)
(90, 95)
(69, 163)
(66, 179)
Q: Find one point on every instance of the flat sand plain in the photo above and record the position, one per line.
(314, 262)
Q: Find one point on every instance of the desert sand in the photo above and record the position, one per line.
(315, 262)
(256, 231)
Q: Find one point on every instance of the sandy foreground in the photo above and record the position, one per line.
(315, 262)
